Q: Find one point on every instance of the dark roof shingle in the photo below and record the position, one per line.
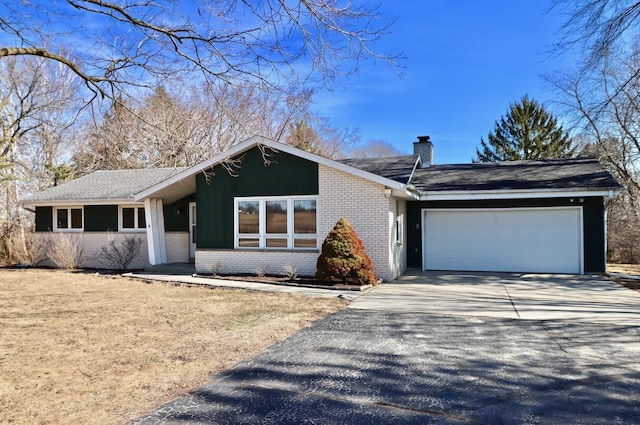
(396, 168)
(516, 175)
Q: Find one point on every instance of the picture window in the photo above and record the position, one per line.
(276, 223)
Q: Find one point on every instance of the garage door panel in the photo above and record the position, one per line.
(516, 240)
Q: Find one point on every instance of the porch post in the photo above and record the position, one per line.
(154, 216)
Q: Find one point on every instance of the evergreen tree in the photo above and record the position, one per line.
(343, 258)
(528, 131)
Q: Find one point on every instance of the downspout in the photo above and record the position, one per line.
(607, 200)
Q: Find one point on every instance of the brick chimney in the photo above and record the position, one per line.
(424, 148)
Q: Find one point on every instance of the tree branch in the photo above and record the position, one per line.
(90, 80)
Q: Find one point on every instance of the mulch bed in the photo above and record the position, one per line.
(306, 281)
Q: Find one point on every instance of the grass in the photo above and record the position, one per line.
(628, 269)
(80, 348)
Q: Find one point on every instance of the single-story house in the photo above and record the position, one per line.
(264, 204)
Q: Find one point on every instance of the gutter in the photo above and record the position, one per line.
(75, 202)
(515, 194)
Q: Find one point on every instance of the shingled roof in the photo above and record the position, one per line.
(398, 168)
(561, 174)
(516, 175)
(104, 185)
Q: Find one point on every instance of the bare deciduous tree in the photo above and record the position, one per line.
(605, 105)
(126, 44)
(608, 115)
(37, 104)
(169, 130)
(601, 30)
(375, 149)
(37, 113)
(597, 27)
(603, 97)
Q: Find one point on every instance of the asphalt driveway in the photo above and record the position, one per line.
(371, 364)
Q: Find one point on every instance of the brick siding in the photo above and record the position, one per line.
(177, 244)
(249, 261)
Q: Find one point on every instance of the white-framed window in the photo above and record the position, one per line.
(68, 219)
(131, 218)
(399, 225)
(399, 230)
(276, 222)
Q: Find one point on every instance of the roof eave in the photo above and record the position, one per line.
(516, 194)
(71, 202)
(406, 193)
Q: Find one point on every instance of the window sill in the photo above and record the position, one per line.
(288, 250)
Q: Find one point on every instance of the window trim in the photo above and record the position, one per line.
(399, 225)
(135, 218)
(399, 230)
(68, 228)
(262, 234)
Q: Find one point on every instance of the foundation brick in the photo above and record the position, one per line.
(248, 261)
(177, 244)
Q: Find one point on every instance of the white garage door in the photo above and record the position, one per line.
(546, 240)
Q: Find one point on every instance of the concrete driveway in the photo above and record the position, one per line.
(464, 359)
(507, 295)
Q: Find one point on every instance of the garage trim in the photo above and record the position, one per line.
(580, 224)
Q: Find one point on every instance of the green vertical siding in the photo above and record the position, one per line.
(594, 234)
(101, 218)
(593, 225)
(414, 234)
(176, 215)
(44, 219)
(286, 175)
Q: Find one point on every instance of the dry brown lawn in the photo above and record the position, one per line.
(80, 348)
(630, 269)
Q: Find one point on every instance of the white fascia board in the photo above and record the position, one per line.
(239, 148)
(83, 202)
(511, 194)
(277, 147)
(405, 194)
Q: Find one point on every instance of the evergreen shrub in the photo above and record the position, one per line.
(343, 258)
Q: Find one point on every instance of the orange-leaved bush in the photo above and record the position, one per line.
(343, 258)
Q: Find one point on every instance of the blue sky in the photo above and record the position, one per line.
(466, 61)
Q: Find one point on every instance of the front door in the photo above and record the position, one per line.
(192, 229)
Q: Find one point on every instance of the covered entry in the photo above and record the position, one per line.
(545, 240)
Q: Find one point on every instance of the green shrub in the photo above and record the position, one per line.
(343, 258)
